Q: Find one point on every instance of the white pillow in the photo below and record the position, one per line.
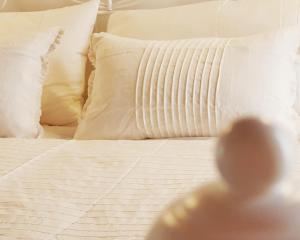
(23, 65)
(212, 18)
(187, 88)
(64, 86)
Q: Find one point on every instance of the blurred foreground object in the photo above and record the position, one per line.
(252, 201)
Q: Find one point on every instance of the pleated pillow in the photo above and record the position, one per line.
(23, 66)
(65, 83)
(188, 88)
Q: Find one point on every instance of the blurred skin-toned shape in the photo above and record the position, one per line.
(250, 201)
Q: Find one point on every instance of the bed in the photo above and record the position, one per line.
(67, 189)
(57, 187)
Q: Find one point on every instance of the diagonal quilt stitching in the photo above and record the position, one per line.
(20, 168)
(118, 181)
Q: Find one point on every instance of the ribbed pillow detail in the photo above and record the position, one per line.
(176, 90)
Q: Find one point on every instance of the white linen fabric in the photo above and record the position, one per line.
(23, 66)
(187, 88)
(64, 86)
(80, 190)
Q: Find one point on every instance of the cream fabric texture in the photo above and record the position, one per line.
(57, 132)
(106, 190)
(64, 86)
(23, 66)
(187, 88)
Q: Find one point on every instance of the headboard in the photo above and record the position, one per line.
(138, 4)
(37, 5)
(106, 5)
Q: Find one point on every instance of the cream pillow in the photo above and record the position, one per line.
(187, 88)
(23, 65)
(64, 86)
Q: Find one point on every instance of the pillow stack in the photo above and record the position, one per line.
(188, 88)
(182, 71)
(158, 89)
(64, 84)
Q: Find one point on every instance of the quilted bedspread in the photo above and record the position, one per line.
(67, 190)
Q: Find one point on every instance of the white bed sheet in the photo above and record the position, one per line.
(88, 190)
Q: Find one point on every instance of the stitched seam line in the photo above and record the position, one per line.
(26, 164)
(106, 193)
